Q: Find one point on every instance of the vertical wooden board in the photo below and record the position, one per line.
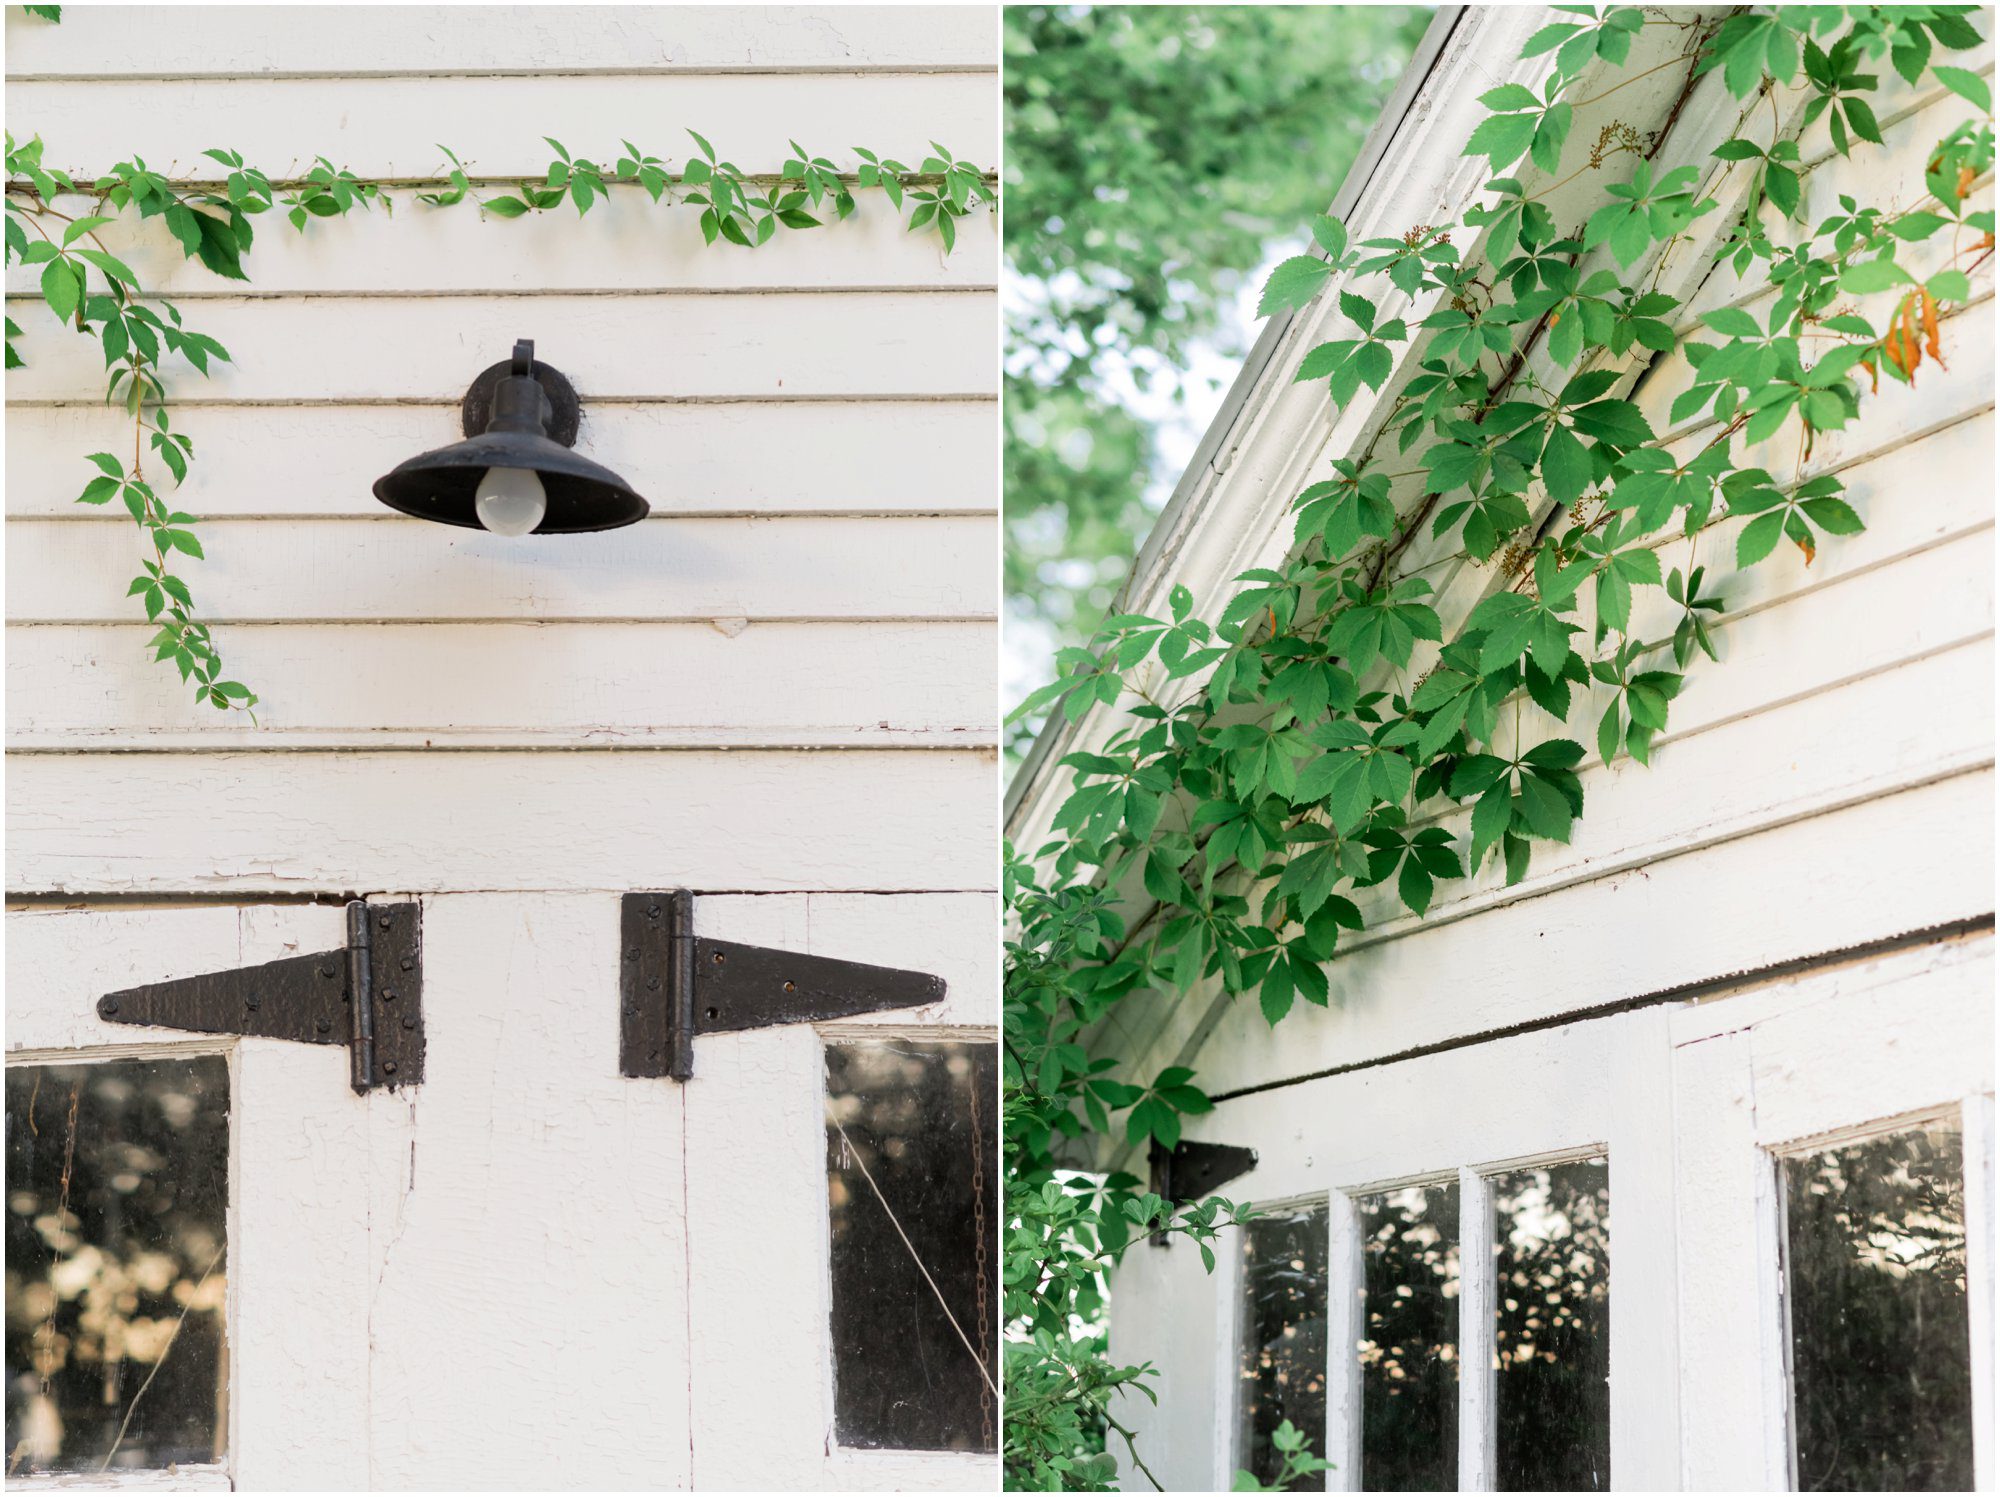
(1731, 1392)
(300, 1272)
(757, 1197)
(530, 1311)
(1645, 1336)
(1167, 1311)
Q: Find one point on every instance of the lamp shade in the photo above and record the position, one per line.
(526, 401)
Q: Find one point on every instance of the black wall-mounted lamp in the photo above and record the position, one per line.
(514, 473)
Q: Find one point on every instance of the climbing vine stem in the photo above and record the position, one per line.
(1256, 779)
(86, 287)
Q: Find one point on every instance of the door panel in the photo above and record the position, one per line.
(297, 1263)
(757, 1185)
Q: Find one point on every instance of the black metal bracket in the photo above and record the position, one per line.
(674, 985)
(366, 995)
(562, 411)
(1193, 1171)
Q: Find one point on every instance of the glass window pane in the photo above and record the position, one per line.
(911, 1175)
(1281, 1348)
(117, 1189)
(1881, 1347)
(1552, 1379)
(1409, 1339)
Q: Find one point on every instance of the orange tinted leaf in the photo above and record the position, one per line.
(1931, 329)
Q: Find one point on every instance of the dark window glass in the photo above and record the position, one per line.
(1281, 1361)
(1881, 1348)
(117, 1188)
(911, 1178)
(1552, 1388)
(1409, 1339)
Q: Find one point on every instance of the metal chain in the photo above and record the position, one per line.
(979, 1259)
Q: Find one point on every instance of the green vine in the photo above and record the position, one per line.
(87, 287)
(1266, 765)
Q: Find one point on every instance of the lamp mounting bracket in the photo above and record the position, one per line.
(366, 995)
(674, 985)
(562, 412)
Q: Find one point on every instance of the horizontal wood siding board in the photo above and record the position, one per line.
(779, 821)
(1683, 918)
(260, 570)
(535, 685)
(938, 343)
(392, 127)
(112, 41)
(755, 457)
(625, 244)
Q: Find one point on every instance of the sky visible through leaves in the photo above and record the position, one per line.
(1160, 160)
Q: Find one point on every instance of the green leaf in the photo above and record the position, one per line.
(1966, 85)
(1865, 276)
(505, 207)
(1293, 283)
(62, 289)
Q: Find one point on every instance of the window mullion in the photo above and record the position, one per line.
(1345, 1289)
(1976, 1121)
(1477, 1424)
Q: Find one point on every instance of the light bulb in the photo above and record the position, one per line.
(510, 501)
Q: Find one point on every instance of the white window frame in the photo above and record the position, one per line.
(295, 1315)
(1585, 1090)
(1840, 1053)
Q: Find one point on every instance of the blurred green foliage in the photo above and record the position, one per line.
(1154, 156)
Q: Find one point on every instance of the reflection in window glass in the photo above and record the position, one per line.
(117, 1186)
(1409, 1345)
(1881, 1348)
(1552, 1388)
(1281, 1361)
(911, 1140)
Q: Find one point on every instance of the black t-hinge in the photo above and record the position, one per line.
(366, 995)
(1193, 1171)
(674, 985)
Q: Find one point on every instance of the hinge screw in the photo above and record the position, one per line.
(326, 970)
(719, 959)
(409, 1021)
(383, 922)
(652, 984)
(388, 1068)
(388, 995)
(791, 987)
(652, 912)
(108, 1006)
(406, 964)
(323, 1026)
(632, 955)
(251, 1001)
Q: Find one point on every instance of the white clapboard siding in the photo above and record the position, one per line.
(392, 127)
(1899, 161)
(883, 685)
(258, 822)
(114, 41)
(803, 568)
(631, 244)
(696, 458)
(1681, 919)
(769, 344)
